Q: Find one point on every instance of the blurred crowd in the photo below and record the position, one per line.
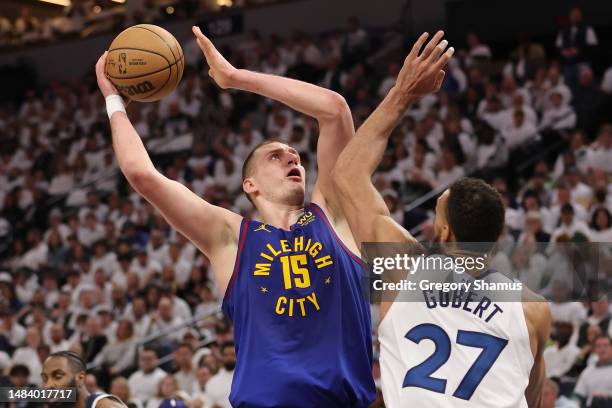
(88, 265)
(87, 17)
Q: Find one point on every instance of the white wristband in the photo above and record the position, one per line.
(114, 103)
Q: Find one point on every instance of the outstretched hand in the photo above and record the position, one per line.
(423, 72)
(220, 70)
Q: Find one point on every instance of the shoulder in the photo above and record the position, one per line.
(109, 401)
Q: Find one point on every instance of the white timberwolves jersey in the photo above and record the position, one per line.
(440, 353)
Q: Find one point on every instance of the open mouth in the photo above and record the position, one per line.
(294, 174)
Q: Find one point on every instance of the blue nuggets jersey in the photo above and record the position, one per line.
(301, 324)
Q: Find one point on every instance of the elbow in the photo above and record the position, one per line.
(337, 108)
(141, 180)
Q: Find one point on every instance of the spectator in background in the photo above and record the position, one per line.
(558, 116)
(28, 355)
(477, 51)
(166, 318)
(57, 340)
(601, 226)
(185, 374)
(588, 101)
(218, 387)
(561, 356)
(120, 355)
(519, 132)
(594, 387)
(575, 42)
(600, 316)
(120, 388)
(166, 389)
(551, 398)
(12, 334)
(144, 383)
(93, 339)
(27, 26)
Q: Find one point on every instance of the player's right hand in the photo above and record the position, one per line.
(106, 86)
(423, 72)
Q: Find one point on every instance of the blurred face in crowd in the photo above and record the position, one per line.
(556, 99)
(168, 387)
(93, 326)
(147, 361)
(275, 175)
(119, 387)
(91, 383)
(139, 307)
(165, 309)
(33, 338)
(228, 356)
(592, 332)
(182, 357)
(575, 16)
(124, 330)
(203, 375)
(603, 349)
(600, 307)
(57, 333)
(567, 217)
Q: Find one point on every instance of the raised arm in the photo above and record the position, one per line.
(212, 229)
(362, 204)
(327, 107)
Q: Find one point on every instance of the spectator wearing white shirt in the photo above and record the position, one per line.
(12, 332)
(165, 318)
(28, 355)
(477, 52)
(601, 225)
(594, 387)
(156, 247)
(203, 376)
(389, 81)
(91, 230)
(519, 132)
(599, 153)
(57, 341)
(181, 267)
(569, 226)
(555, 83)
(144, 382)
(248, 139)
(450, 171)
(558, 116)
(119, 355)
(144, 267)
(36, 256)
(227, 174)
(273, 64)
(137, 313)
(219, 386)
(561, 356)
(185, 373)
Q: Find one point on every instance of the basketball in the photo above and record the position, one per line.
(145, 63)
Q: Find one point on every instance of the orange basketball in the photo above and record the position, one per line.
(145, 63)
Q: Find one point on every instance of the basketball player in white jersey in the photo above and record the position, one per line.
(67, 370)
(470, 355)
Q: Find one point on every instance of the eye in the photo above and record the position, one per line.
(275, 156)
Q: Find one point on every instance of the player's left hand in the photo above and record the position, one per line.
(221, 70)
(423, 72)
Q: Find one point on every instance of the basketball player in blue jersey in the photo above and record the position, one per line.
(481, 354)
(290, 282)
(66, 370)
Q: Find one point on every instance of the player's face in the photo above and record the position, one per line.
(441, 227)
(278, 175)
(58, 374)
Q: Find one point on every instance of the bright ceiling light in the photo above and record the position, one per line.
(58, 2)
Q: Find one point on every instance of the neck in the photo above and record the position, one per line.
(279, 215)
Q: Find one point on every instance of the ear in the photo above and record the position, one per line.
(446, 235)
(80, 378)
(248, 185)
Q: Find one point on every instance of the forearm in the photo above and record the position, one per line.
(312, 100)
(131, 153)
